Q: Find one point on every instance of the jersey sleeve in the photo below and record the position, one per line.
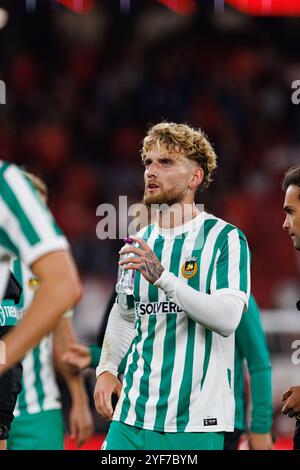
(27, 229)
(252, 346)
(231, 273)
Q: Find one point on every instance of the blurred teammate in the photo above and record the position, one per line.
(28, 231)
(291, 186)
(192, 284)
(250, 346)
(38, 423)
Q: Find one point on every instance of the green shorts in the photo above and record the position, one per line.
(38, 431)
(124, 437)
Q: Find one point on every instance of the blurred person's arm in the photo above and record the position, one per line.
(251, 343)
(81, 357)
(32, 235)
(80, 420)
(291, 397)
(59, 290)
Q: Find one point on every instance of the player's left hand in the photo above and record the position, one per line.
(81, 423)
(292, 399)
(260, 441)
(146, 260)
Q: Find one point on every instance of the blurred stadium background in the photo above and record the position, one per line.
(81, 89)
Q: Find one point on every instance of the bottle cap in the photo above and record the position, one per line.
(128, 240)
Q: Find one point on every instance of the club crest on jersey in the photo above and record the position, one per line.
(190, 267)
(33, 283)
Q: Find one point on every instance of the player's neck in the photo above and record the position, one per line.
(177, 215)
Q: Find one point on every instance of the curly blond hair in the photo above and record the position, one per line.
(183, 140)
(37, 183)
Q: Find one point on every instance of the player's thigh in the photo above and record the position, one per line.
(38, 431)
(184, 441)
(123, 437)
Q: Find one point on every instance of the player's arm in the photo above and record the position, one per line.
(118, 337)
(219, 311)
(291, 400)
(33, 236)
(251, 342)
(81, 357)
(59, 290)
(80, 420)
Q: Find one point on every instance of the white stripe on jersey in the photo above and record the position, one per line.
(51, 399)
(208, 250)
(41, 222)
(29, 378)
(11, 226)
(234, 251)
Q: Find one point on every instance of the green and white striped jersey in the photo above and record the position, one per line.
(39, 389)
(179, 375)
(27, 229)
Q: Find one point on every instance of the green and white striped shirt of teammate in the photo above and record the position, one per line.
(179, 376)
(39, 389)
(27, 229)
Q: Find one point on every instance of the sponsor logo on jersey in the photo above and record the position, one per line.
(156, 308)
(7, 312)
(190, 267)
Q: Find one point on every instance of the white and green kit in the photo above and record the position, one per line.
(28, 232)
(39, 389)
(38, 422)
(179, 374)
(27, 229)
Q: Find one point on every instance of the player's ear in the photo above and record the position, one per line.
(197, 177)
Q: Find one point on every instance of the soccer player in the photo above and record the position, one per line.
(251, 346)
(38, 423)
(28, 231)
(192, 284)
(291, 187)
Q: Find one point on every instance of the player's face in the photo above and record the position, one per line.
(167, 177)
(292, 210)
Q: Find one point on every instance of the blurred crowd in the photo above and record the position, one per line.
(82, 91)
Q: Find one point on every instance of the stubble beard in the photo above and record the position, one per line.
(297, 243)
(169, 198)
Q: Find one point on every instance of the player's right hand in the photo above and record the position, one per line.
(107, 385)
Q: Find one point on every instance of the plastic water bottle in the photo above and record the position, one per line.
(125, 283)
